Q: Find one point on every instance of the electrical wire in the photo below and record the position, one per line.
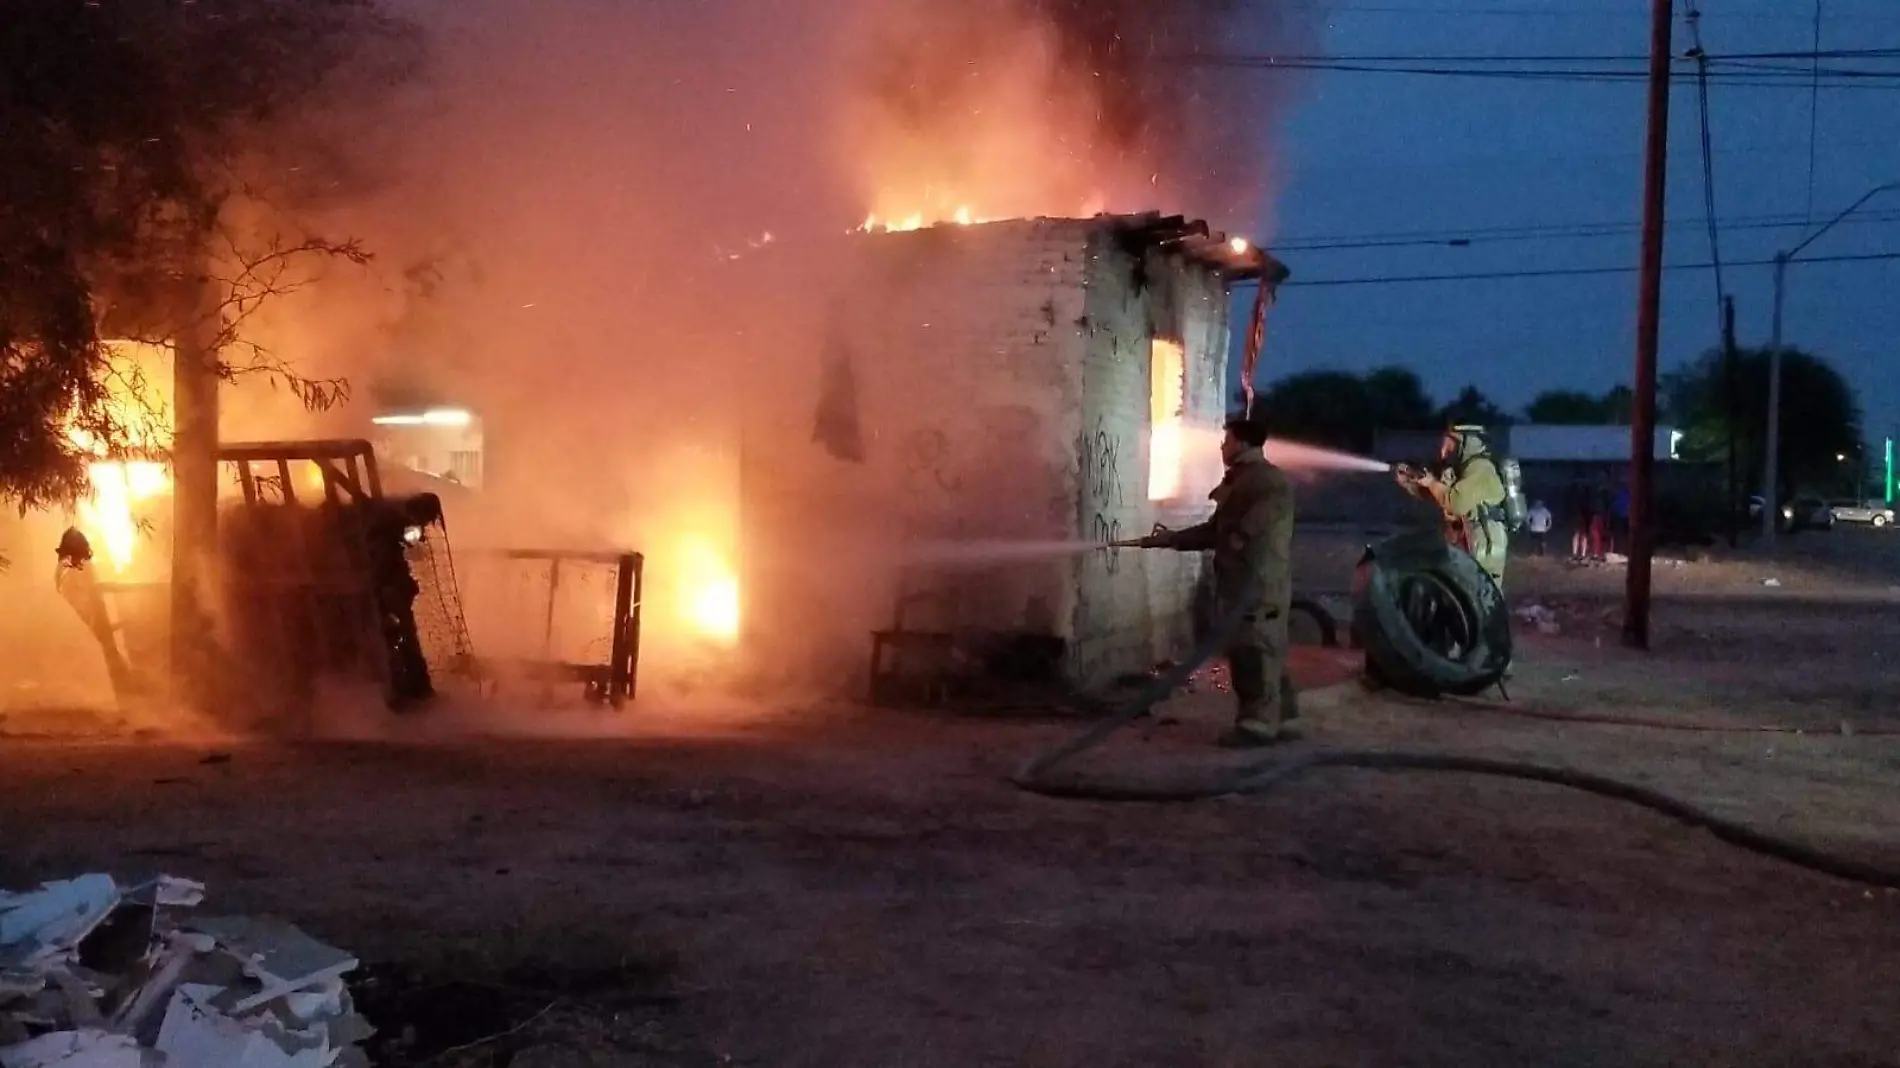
(1548, 11)
(1553, 272)
(1736, 70)
(1814, 106)
(1693, 16)
(1750, 77)
(1471, 235)
(1219, 58)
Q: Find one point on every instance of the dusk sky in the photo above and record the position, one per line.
(1377, 157)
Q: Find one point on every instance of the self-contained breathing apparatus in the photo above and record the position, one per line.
(1512, 510)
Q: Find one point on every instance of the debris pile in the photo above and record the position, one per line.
(95, 975)
(1541, 617)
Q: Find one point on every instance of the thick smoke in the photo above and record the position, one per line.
(555, 202)
(1012, 107)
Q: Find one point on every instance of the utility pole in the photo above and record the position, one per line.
(1771, 435)
(1648, 316)
(1771, 459)
(1732, 406)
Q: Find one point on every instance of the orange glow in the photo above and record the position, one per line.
(107, 513)
(1167, 399)
(710, 593)
(117, 488)
(1239, 245)
(961, 215)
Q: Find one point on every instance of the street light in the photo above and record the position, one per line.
(1772, 451)
(1889, 472)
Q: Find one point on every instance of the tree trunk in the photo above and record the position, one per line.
(195, 498)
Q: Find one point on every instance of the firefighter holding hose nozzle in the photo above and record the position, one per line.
(1250, 535)
(1477, 494)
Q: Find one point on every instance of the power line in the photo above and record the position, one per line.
(1814, 106)
(1744, 73)
(1839, 78)
(1547, 11)
(1693, 16)
(1269, 58)
(1552, 231)
(1563, 272)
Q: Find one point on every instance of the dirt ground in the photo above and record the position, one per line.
(828, 887)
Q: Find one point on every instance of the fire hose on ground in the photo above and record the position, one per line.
(1390, 574)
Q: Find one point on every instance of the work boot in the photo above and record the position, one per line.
(1255, 734)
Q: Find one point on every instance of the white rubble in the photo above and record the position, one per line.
(162, 990)
(91, 1048)
(1542, 617)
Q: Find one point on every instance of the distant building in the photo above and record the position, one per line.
(1592, 447)
(1557, 462)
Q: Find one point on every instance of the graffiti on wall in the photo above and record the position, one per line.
(1102, 492)
(927, 465)
(1100, 453)
(1105, 529)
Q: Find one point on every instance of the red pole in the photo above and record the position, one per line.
(1648, 312)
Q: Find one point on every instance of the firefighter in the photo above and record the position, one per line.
(74, 579)
(1470, 494)
(1250, 535)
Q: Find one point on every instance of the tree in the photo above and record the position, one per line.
(136, 131)
(1566, 407)
(1618, 402)
(1397, 400)
(1571, 407)
(1342, 410)
(1472, 406)
(1820, 416)
(1320, 408)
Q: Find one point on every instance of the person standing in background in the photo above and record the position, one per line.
(1600, 520)
(1539, 522)
(1583, 507)
(1620, 519)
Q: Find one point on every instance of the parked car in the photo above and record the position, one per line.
(1874, 513)
(1802, 513)
(1808, 513)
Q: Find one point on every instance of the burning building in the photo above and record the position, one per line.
(1033, 382)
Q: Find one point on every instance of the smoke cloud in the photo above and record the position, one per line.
(556, 199)
(1067, 106)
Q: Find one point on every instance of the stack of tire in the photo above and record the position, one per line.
(1431, 621)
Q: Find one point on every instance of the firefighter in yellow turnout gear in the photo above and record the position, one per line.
(1250, 535)
(1472, 496)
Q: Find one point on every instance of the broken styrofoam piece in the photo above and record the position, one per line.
(197, 1033)
(163, 991)
(90, 1048)
(168, 969)
(169, 892)
(20, 983)
(280, 957)
(48, 923)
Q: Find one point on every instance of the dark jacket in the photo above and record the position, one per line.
(1250, 535)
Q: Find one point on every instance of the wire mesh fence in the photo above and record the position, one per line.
(547, 617)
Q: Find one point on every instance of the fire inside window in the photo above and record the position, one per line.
(1167, 404)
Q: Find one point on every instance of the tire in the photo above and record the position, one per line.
(1325, 626)
(1432, 622)
(1880, 521)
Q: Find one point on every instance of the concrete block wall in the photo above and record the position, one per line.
(1001, 379)
(1135, 607)
(964, 346)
